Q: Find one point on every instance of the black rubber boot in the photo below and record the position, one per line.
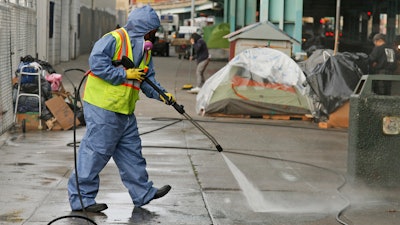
(162, 191)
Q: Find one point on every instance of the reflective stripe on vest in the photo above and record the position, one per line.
(117, 98)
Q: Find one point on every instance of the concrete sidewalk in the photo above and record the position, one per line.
(270, 172)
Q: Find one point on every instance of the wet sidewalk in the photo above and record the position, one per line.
(270, 172)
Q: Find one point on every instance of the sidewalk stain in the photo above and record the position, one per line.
(12, 217)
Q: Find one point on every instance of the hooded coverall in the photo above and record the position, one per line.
(110, 134)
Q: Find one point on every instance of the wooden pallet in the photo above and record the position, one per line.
(288, 117)
(270, 117)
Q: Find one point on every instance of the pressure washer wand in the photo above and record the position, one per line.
(181, 110)
(127, 63)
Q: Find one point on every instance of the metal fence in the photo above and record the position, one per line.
(17, 39)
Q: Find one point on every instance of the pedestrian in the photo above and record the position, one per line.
(382, 60)
(202, 57)
(110, 96)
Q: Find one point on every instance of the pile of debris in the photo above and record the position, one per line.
(39, 97)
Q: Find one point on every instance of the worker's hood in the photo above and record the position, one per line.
(141, 21)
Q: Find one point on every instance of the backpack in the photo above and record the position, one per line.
(391, 59)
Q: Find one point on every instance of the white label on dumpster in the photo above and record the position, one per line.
(391, 125)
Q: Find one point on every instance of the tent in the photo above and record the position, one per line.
(256, 82)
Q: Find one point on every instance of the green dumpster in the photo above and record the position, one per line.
(374, 131)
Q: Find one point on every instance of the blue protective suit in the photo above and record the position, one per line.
(109, 134)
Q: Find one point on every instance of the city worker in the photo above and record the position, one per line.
(110, 95)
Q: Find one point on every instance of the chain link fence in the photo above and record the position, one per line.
(17, 39)
(19, 36)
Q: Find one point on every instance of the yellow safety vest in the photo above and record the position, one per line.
(117, 98)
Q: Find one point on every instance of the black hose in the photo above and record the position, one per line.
(344, 181)
(180, 109)
(76, 97)
(72, 216)
(176, 120)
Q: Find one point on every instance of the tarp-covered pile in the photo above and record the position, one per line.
(256, 82)
(332, 78)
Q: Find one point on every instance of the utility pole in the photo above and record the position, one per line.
(337, 27)
(192, 14)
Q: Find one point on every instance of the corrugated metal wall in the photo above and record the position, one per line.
(97, 23)
(17, 39)
(55, 40)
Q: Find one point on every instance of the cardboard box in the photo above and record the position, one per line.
(62, 112)
(340, 117)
